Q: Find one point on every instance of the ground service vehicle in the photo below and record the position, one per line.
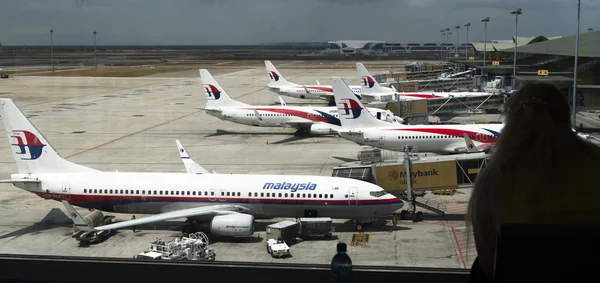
(278, 248)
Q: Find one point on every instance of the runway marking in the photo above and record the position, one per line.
(134, 133)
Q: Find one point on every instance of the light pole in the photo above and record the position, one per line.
(95, 57)
(448, 33)
(467, 25)
(515, 12)
(442, 45)
(485, 21)
(457, 27)
(52, 49)
(576, 61)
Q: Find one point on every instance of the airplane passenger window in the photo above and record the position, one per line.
(255, 194)
(249, 194)
(194, 193)
(227, 193)
(331, 196)
(188, 193)
(84, 191)
(320, 195)
(298, 195)
(143, 192)
(105, 191)
(177, 192)
(279, 194)
(239, 194)
(154, 192)
(126, 192)
(262, 194)
(325, 195)
(268, 194)
(111, 191)
(121, 191)
(137, 192)
(222, 193)
(212, 193)
(95, 191)
(206, 193)
(303, 195)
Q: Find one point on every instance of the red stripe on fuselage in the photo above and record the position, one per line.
(296, 113)
(475, 136)
(315, 87)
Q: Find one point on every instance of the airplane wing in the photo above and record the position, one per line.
(184, 213)
(190, 165)
(19, 181)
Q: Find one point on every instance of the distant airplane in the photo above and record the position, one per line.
(227, 202)
(373, 91)
(447, 139)
(278, 84)
(307, 120)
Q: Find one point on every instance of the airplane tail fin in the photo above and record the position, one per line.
(275, 77)
(78, 221)
(353, 114)
(216, 96)
(30, 149)
(369, 82)
(190, 165)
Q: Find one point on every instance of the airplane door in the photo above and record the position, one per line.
(66, 191)
(222, 195)
(213, 195)
(352, 196)
(381, 138)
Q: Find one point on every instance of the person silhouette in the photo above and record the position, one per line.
(539, 172)
(341, 265)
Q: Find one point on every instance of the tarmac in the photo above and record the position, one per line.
(131, 124)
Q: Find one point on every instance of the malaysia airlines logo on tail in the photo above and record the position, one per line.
(351, 107)
(31, 142)
(212, 91)
(369, 81)
(273, 76)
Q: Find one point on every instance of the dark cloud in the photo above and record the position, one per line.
(28, 22)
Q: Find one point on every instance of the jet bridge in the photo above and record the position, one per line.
(491, 102)
(427, 173)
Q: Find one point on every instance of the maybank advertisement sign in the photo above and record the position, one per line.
(424, 176)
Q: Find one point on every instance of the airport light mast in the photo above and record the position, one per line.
(52, 49)
(467, 25)
(95, 56)
(515, 12)
(576, 65)
(442, 45)
(448, 33)
(457, 27)
(485, 21)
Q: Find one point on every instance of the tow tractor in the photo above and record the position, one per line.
(277, 248)
(191, 247)
(94, 218)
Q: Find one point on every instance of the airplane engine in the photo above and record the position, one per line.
(232, 225)
(94, 218)
(320, 129)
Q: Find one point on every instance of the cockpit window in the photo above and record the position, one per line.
(378, 193)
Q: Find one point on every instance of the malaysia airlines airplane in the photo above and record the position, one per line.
(229, 203)
(307, 120)
(278, 84)
(446, 139)
(374, 91)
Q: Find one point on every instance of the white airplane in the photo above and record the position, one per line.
(229, 203)
(278, 84)
(373, 91)
(446, 139)
(307, 120)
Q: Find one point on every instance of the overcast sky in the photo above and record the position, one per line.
(27, 22)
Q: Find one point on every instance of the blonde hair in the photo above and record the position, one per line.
(540, 171)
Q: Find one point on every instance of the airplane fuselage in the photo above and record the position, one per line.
(310, 92)
(445, 139)
(265, 195)
(286, 116)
